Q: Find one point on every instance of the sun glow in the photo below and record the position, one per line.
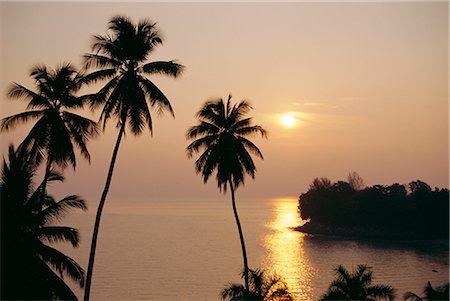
(288, 120)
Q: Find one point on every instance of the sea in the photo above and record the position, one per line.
(189, 249)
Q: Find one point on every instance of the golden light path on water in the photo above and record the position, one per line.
(286, 256)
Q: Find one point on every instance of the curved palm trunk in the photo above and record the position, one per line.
(241, 237)
(87, 289)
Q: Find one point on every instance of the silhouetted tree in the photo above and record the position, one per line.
(429, 293)
(221, 137)
(357, 286)
(57, 130)
(419, 187)
(128, 95)
(320, 184)
(261, 288)
(31, 269)
(355, 181)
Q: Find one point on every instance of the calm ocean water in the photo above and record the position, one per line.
(189, 250)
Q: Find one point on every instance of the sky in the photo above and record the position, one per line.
(367, 84)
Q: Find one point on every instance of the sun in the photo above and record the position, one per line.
(288, 120)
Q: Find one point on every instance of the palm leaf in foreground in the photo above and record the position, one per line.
(261, 288)
(357, 286)
(429, 293)
(31, 269)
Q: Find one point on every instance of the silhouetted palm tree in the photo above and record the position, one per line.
(429, 293)
(357, 286)
(30, 267)
(221, 136)
(261, 289)
(121, 56)
(56, 130)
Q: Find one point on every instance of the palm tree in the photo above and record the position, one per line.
(357, 286)
(429, 293)
(261, 289)
(221, 135)
(121, 57)
(56, 130)
(31, 269)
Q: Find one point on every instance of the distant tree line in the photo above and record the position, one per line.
(395, 211)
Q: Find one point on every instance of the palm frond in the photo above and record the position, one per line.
(212, 111)
(55, 176)
(11, 121)
(342, 273)
(36, 141)
(203, 128)
(102, 96)
(35, 100)
(99, 61)
(59, 287)
(60, 146)
(61, 263)
(251, 130)
(54, 234)
(196, 145)
(256, 280)
(239, 110)
(40, 73)
(171, 68)
(232, 291)
(60, 208)
(381, 291)
(114, 105)
(251, 147)
(82, 129)
(410, 296)
(157, 98)
(281, 294)
(98, 75)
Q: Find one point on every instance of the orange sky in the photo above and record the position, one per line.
(367, 82)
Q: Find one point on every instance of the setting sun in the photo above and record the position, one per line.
(288, 120)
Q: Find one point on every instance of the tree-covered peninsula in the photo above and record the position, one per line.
(347, 208)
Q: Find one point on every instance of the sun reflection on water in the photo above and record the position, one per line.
(286, 256)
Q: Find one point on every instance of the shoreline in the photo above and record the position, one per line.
(361, 233)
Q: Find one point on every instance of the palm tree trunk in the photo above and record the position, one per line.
(48, 168)
(87, 288)
(241, 237)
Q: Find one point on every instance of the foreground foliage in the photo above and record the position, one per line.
(262, 288)
(429, 293)
(31, 269)
(357, 286)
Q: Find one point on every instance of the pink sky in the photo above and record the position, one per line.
(367, 82)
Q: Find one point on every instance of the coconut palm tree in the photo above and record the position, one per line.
(261, 288)
(121, 58)
(357, 286)
(31, 268)
(57, 130)
(221, 136)
(429, 293)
